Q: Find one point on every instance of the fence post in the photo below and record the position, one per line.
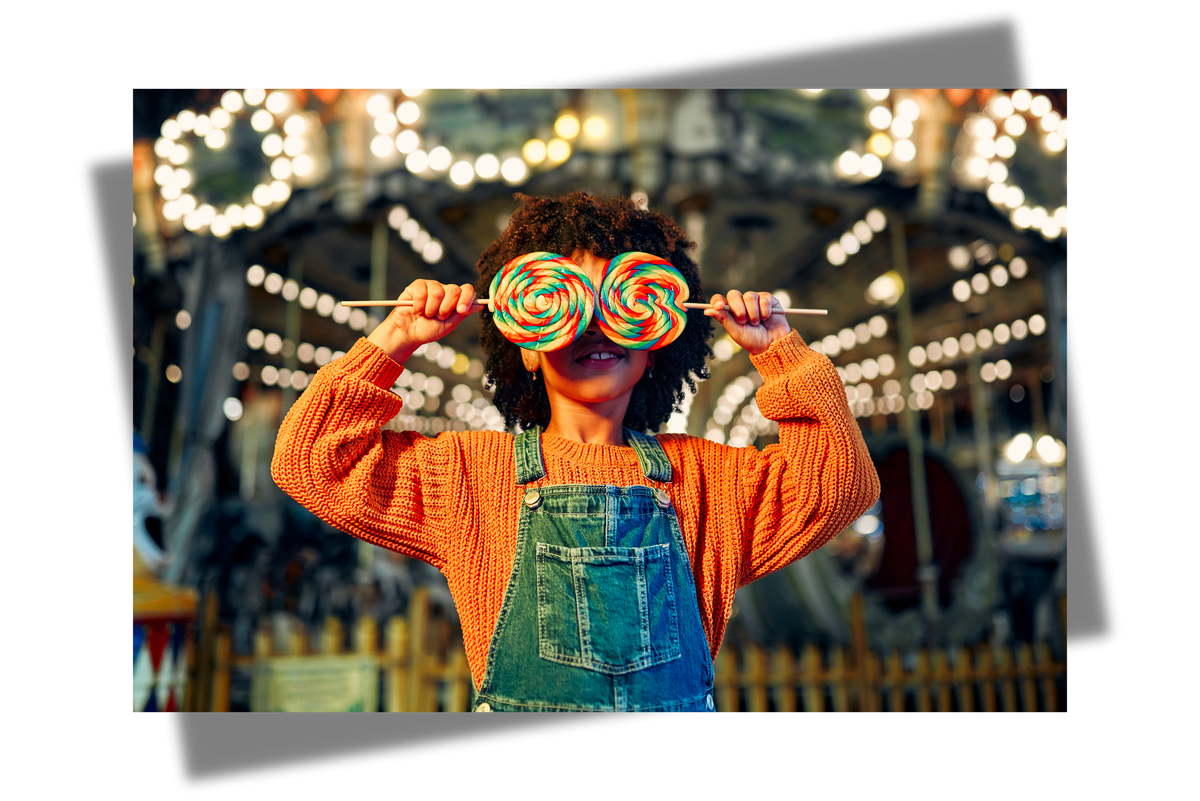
(783, 681)
(860, 653)
(396, 650)
(724, 679)
(365, 635)
(837, 679)
(810, 679)
(1028, 683)
(941, 677)
(895, 682)
(457, 675)
(1046, 669)
(262, 643)
(418, 619)
(332, 636)
(921, 677)
(755, 679)
(962, 680)
(1004, 672)
(986, 676)
(871, 701)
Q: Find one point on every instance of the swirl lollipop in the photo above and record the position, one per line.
(541, 301)
(640, 304)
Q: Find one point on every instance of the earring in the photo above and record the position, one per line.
(533, 374)
(651, 373)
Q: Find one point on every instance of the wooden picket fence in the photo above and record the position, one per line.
(981, 679)
(424, 669)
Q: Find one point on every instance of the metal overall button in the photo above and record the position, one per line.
(484, 707)
(662, 498)
(533, 499)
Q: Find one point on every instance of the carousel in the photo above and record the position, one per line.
(930, 225)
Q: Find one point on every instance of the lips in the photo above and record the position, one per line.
(600, 354)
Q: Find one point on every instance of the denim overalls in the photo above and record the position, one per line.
(600, 612)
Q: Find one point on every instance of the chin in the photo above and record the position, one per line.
(594, 390)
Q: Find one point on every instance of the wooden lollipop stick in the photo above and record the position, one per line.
(484, 302)
(773, 311)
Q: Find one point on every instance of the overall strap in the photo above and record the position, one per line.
(650, 455)
(527, 450)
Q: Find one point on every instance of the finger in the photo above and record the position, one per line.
(416, 292)
(753, 312)
(435, 292)
(449, 301)
(720, 308)
(466, 299)
(766, 304)
(737, 306)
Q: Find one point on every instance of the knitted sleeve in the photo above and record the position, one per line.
(397, 490)
(799, 493)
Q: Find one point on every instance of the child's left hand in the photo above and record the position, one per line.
(748, 319)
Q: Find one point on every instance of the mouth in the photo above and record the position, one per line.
(601, 356)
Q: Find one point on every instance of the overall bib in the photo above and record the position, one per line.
(600, 612)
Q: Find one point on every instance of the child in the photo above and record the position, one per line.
(593, 566)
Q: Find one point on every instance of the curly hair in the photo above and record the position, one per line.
(604, 227)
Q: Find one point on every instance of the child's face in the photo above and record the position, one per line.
(577, 371)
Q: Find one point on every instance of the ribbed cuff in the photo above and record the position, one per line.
(782, 357)
(367, 361)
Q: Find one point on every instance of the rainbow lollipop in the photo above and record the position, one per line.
(640, 302)
(541, 301)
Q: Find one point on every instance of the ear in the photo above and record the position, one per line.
(530, 359)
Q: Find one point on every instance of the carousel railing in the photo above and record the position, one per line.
(420, 666)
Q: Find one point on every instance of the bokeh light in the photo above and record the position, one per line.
(407, 141)
(534, 151)
(232, 408)
(487, 166)
(408, 112)
(567, 126)
(378, 104)
(277, 102)
(595, 127)
(440, 158)
(908, 109)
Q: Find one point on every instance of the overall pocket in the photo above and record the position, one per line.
(610, 609)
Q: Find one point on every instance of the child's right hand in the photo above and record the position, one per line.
(436, 311)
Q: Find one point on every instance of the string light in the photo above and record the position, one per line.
(1009, 110)
(212, 128)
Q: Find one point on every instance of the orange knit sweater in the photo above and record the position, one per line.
(453, 500)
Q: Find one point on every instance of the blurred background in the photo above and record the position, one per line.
(932, 225)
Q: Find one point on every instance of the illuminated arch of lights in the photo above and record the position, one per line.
(987, 144)
(291, 142)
